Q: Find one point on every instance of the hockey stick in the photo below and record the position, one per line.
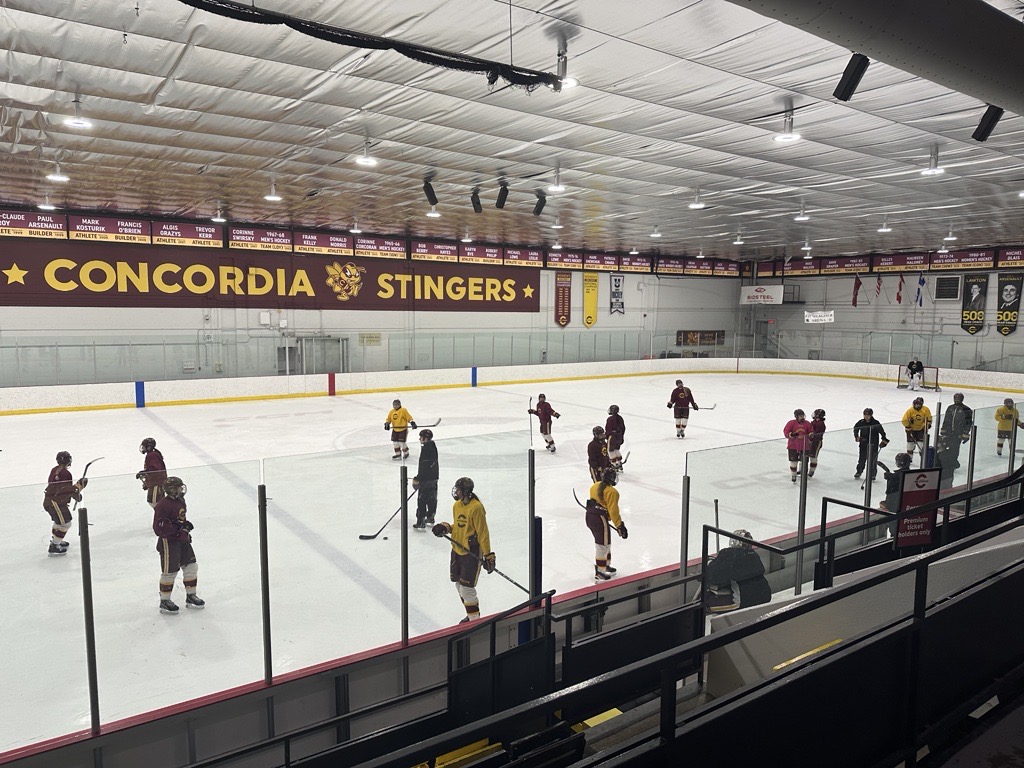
(718, 544)
(368, 536)
(529, 415)
(481, 561)
(708, 407)
(582, 505)
(86, 472)
(427, 426)
(625, 459)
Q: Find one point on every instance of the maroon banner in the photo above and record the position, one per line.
(899, 262)
(380, 247)
(260, 239)
(802, 267)
(635, 263)
(669, 266)
(1010, 257)
(563, 298)
(109, 230)
(565, 259)
(963, 260)
(697, 267)
(845, 265)
(481, 254)
(429, 250)
(722, 268)
(766, 269)
(524, 257)
(88, 274)
(324, 243)
(601, 262)
(190, 235)
(52, 226)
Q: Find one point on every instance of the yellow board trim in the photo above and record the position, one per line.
(803, 656)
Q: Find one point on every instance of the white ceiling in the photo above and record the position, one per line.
(191, 108)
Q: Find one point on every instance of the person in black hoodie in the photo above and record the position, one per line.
(737, 563)
(425, 481)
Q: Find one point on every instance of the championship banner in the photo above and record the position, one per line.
(1009, 303)
(563, 298)
(97, 274)
(589, 298)
(617, 304)
(972, 314)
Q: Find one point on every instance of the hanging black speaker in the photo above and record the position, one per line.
(502, 197)
(428, 190)
(851, 77)
(541, 202)
(475, 200)
(988, 123)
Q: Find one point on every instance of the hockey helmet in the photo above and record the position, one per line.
(542, 397)
(903, 460)
(798, 413)
(869, 412)
(613, 409)
(609, 476)
(1008, 402)
(598, 431)
(426, 434)
(958, 398)
(918, 401)
(148, 444)
(175, 487)
(396, 403)
(679, 382)
(819, 413)
(64, 459)
(739, 542)
(463, 488)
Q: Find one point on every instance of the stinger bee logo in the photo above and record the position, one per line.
(345, 280)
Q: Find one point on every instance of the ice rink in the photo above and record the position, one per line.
(327, 465)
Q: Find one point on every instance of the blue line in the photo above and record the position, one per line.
(140, 394)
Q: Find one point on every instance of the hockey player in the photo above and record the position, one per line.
(817, 437)
(602, 515)
(893, 481)
(1006, 414)
(680, 401)
(915, 372)
(398, 421)
(917, 421)
(869, 434)
(615, 430)
(60, 489)
(955, 431)
(597, 455)
(737, 563)
(544, 412)
(153, 472)
(469, 537)
(425, 481)
(174, 545)
(797, 430)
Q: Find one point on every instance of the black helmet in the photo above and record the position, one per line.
(679, 382)
(612, 409)
(64, 459)
(463, 487)
(903, 460)
(609, 476)
(426, 434)
(148, 444)
(799, 412)
(598, 431)
(918, 401)
(396, 403)
(819, 413)
(174, 487)
(542, 397)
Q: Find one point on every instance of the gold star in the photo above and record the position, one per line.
(528, 291)
(15, 275)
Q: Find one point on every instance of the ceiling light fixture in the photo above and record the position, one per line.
(802, 216)
(885, 228)
(57, 175)
(466, 238)
(943, 249)
(655, 233)
(218, 217)
(273, 197)
(738, 240)
(46, 205)
(788, 135)
(807, 256)
(365, 159)
(433, 213)
(806, 246)
(1020, 194)
(696, 205)
(562, 70)
(634, 251)
(557, 186)
(77, 121)
(541, 202)
(557, 223)
(428, 190)
(950, 237)
(355, 230)
(475, 200)
(933, 169)
(557, 246)
(502, 196)
(701, 254)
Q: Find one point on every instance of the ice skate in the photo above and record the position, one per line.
(194, 601)
(810, 473)
(856, 475)
(611, 570)
(421, 527)
(680, 434)
(168, 606)
(56, 550)
(396, 457)
(601, 574)
(792, 477)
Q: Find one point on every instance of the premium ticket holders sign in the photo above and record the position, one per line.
(919, 487)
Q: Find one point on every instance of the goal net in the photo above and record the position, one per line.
(930, 378)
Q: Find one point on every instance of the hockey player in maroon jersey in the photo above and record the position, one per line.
(174, 546)
(153, 472)
(680, 402)
(60, 489)
(615, 431)
(816, 439)
(544, 412)
(597, 455)
(797, 430)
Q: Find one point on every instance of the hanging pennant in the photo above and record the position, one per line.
(1009, 303)
(972, 313)
(617, 302)
(590, 298)
(563, 298)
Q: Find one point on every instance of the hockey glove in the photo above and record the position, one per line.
(556, 415)
(413, 425)
(883, 443)
(490, 562)
(623, 533)
(964, 439)
(140, 474)
(531, 411)
(187, 525)
(441, 529)
(695, 407)
(668, 405)
(83, 482)
(387, 425)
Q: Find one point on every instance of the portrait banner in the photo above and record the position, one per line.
(1009, 302)
(563, 298)
(590, 298)
(972, 314)
(617, 304)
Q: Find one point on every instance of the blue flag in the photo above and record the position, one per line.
(920, 289)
